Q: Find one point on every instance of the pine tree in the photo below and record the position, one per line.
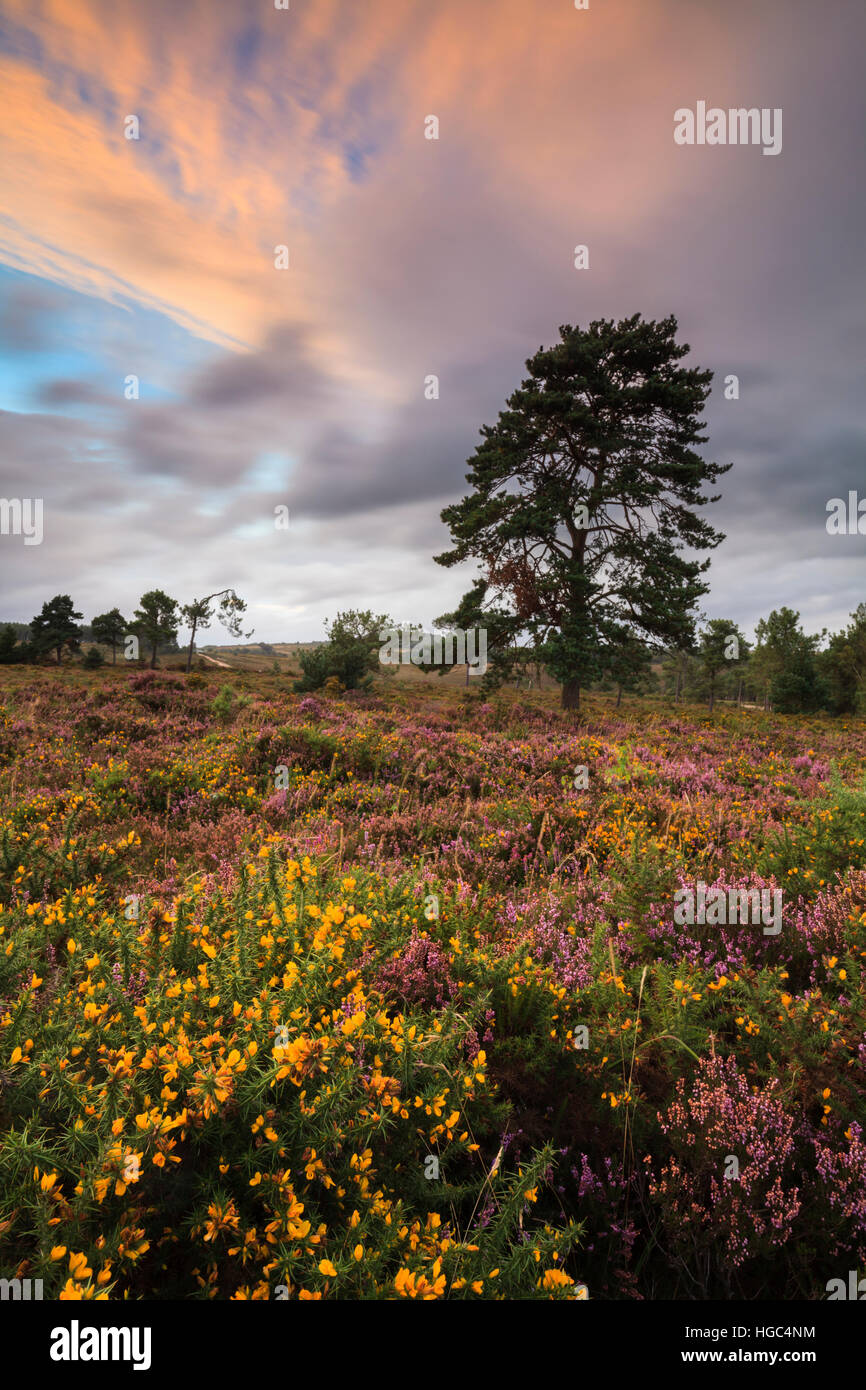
(109, 628)
(199, 614)
(156, 620)
(56, 628)
(584, 497)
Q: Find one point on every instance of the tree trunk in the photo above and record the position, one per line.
(679, 684)
(153, 657)
(571, 694)
(114, 653)
(189, 653)
(739, 694)
(712, 694)
(618, 696)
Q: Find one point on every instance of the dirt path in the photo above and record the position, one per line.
(214, 662)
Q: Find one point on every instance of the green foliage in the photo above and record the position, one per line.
(641, 875)
(350, 655)
(223, 704)
(721, 647)
(784, 660)
(798, 691)
(156, 620)
(831, 836)
(200, 613)
(110, 629)
(628, 665)
(843, 666)
(56, 628)
(503, 655)
(585, 495)
(11, 650)
(311, 1139)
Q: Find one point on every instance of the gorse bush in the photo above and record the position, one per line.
(216, 1104)
(831, 836)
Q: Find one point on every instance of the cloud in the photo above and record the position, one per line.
(69, 392)
(408, 257)
(23, 319)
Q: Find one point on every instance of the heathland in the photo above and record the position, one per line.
(383, 996)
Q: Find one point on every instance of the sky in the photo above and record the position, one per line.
(304, 387)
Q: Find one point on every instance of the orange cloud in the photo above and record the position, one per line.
(549, 108)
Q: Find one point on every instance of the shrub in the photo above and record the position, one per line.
(707, 1212)
(223, 704)
(350, 655)
(291, 1143)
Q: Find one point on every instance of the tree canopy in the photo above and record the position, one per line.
(157, 619)
(351, 654)
(56, 628)
(110, 629)
(199, 614)
(584, 501)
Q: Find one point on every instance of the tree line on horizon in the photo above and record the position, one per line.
(58, 629)
(583, 520)
(784, 669)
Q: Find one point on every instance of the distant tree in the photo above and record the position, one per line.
(93, 659)
(56, 628)
(16, 644)
(843, 666)
(8, 645)
(679, 665)
(350, 655)
(784, 662)
(156, 620)
(721, 646)
(524, 659)
(583, 512)
(628, 664)
(110, 629)
(199, 614)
